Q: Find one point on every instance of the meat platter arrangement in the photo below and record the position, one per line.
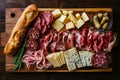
(62, 40)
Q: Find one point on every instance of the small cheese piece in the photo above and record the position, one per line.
(72, 18)
(58, 25)
(56, 13)
(79, 23)
(83, 58)
(77, 15)
(85, 17)
(62, 57)
(63, 19)
(70, 12)
(65, 12)
(70, 25)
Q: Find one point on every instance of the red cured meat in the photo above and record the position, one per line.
(101, 60)
(32, 44)
(33, 33)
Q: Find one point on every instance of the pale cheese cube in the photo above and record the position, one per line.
(77, 15)
(70, 25)
(58, 25)
(79, 23)
(63, 19)
(65, 12)
(85, 17)
(56, 13)
(72, 18)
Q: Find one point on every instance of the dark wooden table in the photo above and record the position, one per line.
(114, 4)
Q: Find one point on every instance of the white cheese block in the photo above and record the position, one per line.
(85, 17)
(86, 58)
(77, 15)
(58, 25)
(72, 18)
(70, 25)
(79, 23)
(63, 19)
(71, 56)
(69, 61)
(56, 13)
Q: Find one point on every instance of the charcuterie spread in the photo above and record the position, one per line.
(64, 38)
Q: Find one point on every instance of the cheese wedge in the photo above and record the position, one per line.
(56, 59)
(70, 25)
(56, 13)
(85, 17)
(79, 23)
(58, 25)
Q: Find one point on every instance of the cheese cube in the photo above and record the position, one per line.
(63, 19)
(72, 18)
(70, 12)
(65, 12)
(70, 25)
(56, 13)
(84, 17)
(77, 15)
(58, 25)
(79, 23)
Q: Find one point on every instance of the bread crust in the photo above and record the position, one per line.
(20, 29)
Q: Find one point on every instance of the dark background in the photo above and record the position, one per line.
(114, 4)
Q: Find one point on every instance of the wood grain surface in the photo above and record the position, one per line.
(114, 4)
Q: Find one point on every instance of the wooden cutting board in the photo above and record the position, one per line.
(13, 14)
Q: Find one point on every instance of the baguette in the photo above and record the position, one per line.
(20, 29)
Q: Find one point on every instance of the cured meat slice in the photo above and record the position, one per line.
(90, 40)
(32, 44)
(84, 33)
(29, 59)
(77, 38)
(70, 41)
(33, 33)
(101, 60)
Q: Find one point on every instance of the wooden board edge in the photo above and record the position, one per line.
(79, 9)
(94, 70)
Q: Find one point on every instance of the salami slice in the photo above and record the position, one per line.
(33, 33)
(101, 60)
(32, 44)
